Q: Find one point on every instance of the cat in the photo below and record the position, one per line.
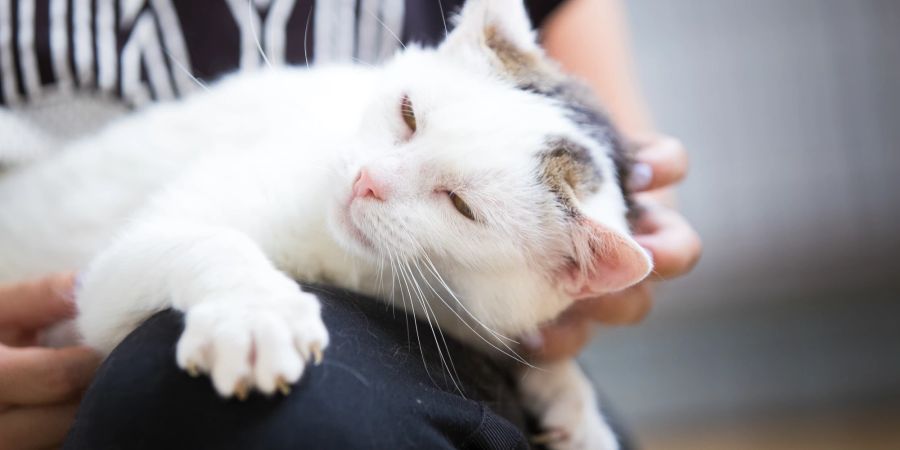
(474, 171)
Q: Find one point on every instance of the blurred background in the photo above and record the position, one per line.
(787, 334)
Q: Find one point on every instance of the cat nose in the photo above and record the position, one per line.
(365, 186)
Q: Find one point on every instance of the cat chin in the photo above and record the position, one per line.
(347, 235)
(356, 234)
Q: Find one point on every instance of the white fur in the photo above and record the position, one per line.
(567, 406)
(215, 204)
(24, 142)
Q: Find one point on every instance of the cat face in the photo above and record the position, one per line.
(484, 164)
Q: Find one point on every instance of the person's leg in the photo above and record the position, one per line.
(372, 391)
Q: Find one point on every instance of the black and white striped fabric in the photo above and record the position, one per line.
(144, 50)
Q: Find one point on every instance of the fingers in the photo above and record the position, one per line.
(562, 339)
(38, 427)
(40, 376)
(38, 303)
(660, 163)
(622, 308)
(674, 244)
(14, 337)
(566, 336)
(671, 240)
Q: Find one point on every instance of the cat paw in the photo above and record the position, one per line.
(248, 343)
(570, 425)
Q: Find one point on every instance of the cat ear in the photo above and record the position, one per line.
(498, 26)
(606, 261)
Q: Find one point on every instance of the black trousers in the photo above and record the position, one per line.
(379, 388)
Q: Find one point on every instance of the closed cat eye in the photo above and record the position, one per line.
(461, 206)
(408, 113)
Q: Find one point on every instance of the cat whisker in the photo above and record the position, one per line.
(510, 352)
(444, 284)
(382, 263)
(184, 69)
(406, 283)
(426, 308)
(389, 30)
(255, 35)
(381, 274)
(393, 278)
(361, 62)
(443, 17)
(452, 368)
(306, 37)
(418, 249)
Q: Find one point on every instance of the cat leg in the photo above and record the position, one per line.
(247, 324)
(563, 399)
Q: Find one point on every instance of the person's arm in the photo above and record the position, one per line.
(589, 39)
(39, 387)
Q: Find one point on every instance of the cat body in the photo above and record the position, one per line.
(95, 184)
(463, 184)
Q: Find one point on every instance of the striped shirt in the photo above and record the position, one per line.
(145, 50)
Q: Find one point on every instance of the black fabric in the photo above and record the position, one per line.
(372, 391)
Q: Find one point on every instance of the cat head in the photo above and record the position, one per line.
(486, 165)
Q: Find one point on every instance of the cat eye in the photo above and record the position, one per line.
(461, 206)
(408, 113)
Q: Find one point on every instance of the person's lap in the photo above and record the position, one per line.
(372, 391)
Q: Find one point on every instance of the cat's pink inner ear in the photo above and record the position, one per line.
(606, 261)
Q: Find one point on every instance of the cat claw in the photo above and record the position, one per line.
(241, 390)
(550, 436)
(192, 370)
(316, 351)
(282, 385)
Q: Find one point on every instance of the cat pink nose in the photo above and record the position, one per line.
(366, 186)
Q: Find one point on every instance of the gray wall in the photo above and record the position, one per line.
(791, 110)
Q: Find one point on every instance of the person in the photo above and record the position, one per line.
(40, 388)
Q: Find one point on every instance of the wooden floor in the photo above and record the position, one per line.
(873, 430)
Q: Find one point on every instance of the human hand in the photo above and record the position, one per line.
(39, 387)
(675, 246)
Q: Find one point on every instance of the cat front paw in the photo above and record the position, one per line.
(260, 341)
(575, 424)
(562, 398)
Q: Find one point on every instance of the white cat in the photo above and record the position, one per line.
(475, 171)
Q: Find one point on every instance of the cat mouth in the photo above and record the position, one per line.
(352, 229)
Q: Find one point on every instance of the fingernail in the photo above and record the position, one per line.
(533, 341)
(641, 176)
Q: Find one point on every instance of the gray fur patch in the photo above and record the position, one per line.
(570, 172)
(589, 116)
(522, 67)
(533, 72)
